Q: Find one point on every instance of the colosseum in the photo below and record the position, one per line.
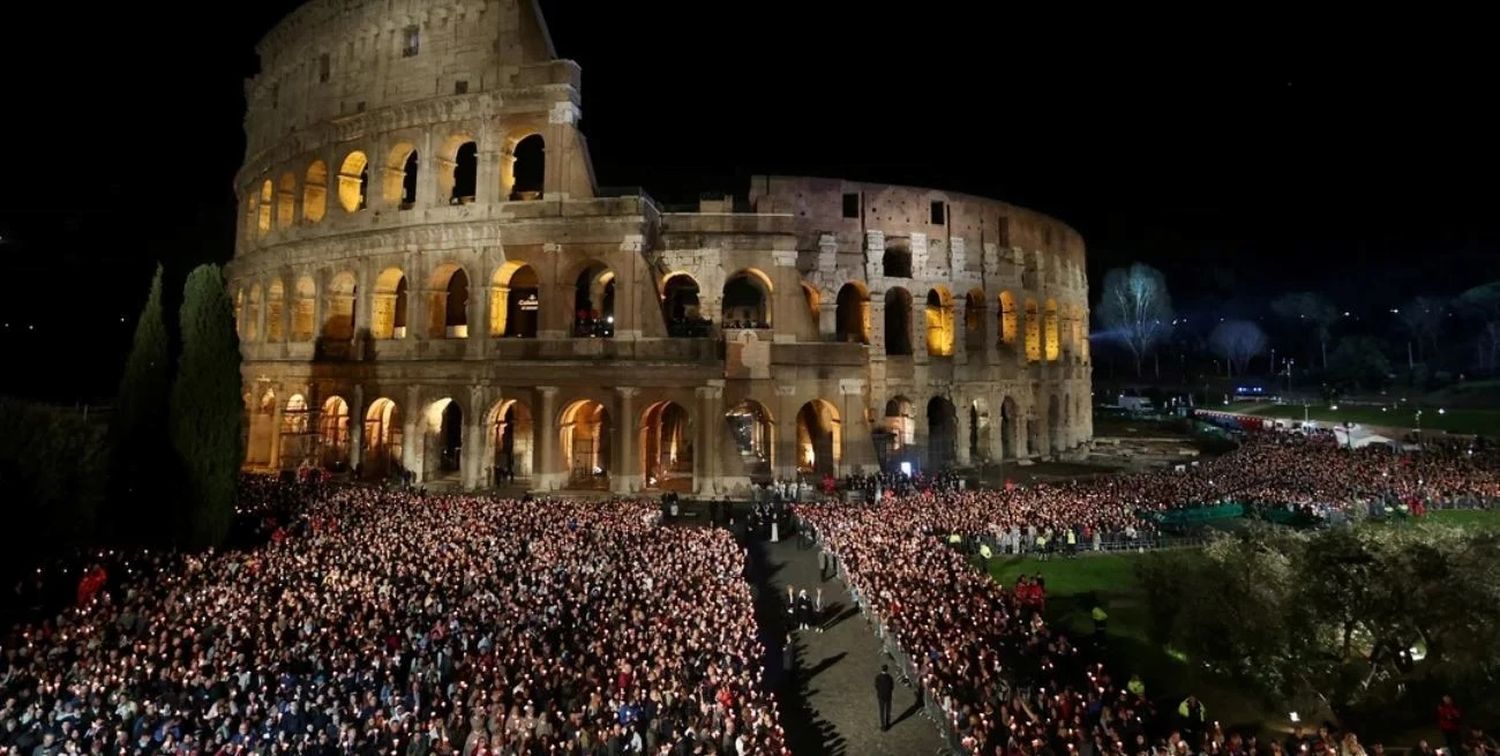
(427, 278)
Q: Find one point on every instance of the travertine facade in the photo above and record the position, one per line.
(427, 277)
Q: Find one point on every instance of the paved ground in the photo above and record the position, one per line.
(830, 706)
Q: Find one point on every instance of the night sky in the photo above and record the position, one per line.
(1243, 155)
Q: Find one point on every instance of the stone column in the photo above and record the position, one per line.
(276, 416)
(473, 439)
(858, 449)
(489, 143)
(356, 425)
(961, 449)
(828, 319)
(413, 434)
(786, 432)
(544, 426)
(479, 315)
(708, 454)
(960, 329)
(625, 477)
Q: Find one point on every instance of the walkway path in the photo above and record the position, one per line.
(832, 709)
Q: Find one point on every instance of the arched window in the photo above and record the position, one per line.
(1033, 333)
(514, 301)
(1053, 346)
(276, 312)
(680, 307)
(304, 309)
(896, 262)
(900, 423)
(448, 308)
(853, 314)
(1009, 324)
(354, 182)
(747, 300)
(942, 433)
(974, 322)
(315, 192)
(939, 316)
(401, 176)
(753, 431)
(382, 438)
(388, 313)
(338, 315)
(594, 302)
(286, 201)
(458, 167)
(527, 169)
(584, 426)
(819, 438)
(666, 444)
(897, 322)
(253, 314)
(510, 440)
(267, 197)
(442, 447)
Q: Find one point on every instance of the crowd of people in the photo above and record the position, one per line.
(380, 621)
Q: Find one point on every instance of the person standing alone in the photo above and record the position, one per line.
(884, 685)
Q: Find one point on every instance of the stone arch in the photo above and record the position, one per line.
(295, 439)
(974, 322)
(1009, 322)
(680, 306)
(443, 441)
(253, 310)
(1051, 331)
(901, 421)
(942, 433)
(338, 316)
(402, 166)
(354, 182)
(1033, 332)
(594, 301)
(276, 311)
(584, 427)
(665, 439)
(333, 433)
(939, 318)
(814, 300)
(1010, 429)
(515, 301)
(852, 314)
(304, 309)
(458, 169)
(526, 173)
(263, 216)
(819, 438)
(388, 316)
(286, 200)
(747, 300)
(261, 431)
(315, 192)
(897, 322)
(448, 302)
(896, 261)
(979, 432)
(510, 437)
(383, 437)
(753, 430)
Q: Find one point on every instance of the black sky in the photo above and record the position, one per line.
(1243, 154)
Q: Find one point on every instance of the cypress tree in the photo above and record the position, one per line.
(138, 427)
(206, 408)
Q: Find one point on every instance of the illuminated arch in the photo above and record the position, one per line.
(443, 440)
(315, 192)
(261, 430)
(253, 314)
(276, 312)
(263, 219)
(852, 314)
(974, 322)
(333, 432)
(594, 301)
(523, 172)
(388, 310)
(814, 300)
(1009, 323)
(510, 438)
(448, 303)
(1051, 331)
(338, 315)
(383, 437)
(584, 426)
(819, 438)
(754, 433)
(354, 182)
(680, 306)
(286, 200)
(747, 300)
(304, 310)
(1033, 333)
(515, 301)
(900, 422)
(898, 322)
(666, 444)
(458, 169)
(939, 318)
(402, 166)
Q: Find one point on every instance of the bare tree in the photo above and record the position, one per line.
(1306, 309)
(1136, 309)
(1482, 303)
(1237, 341)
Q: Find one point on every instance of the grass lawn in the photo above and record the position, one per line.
(1457, 420)
(1075, 586)
(1468, 518)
